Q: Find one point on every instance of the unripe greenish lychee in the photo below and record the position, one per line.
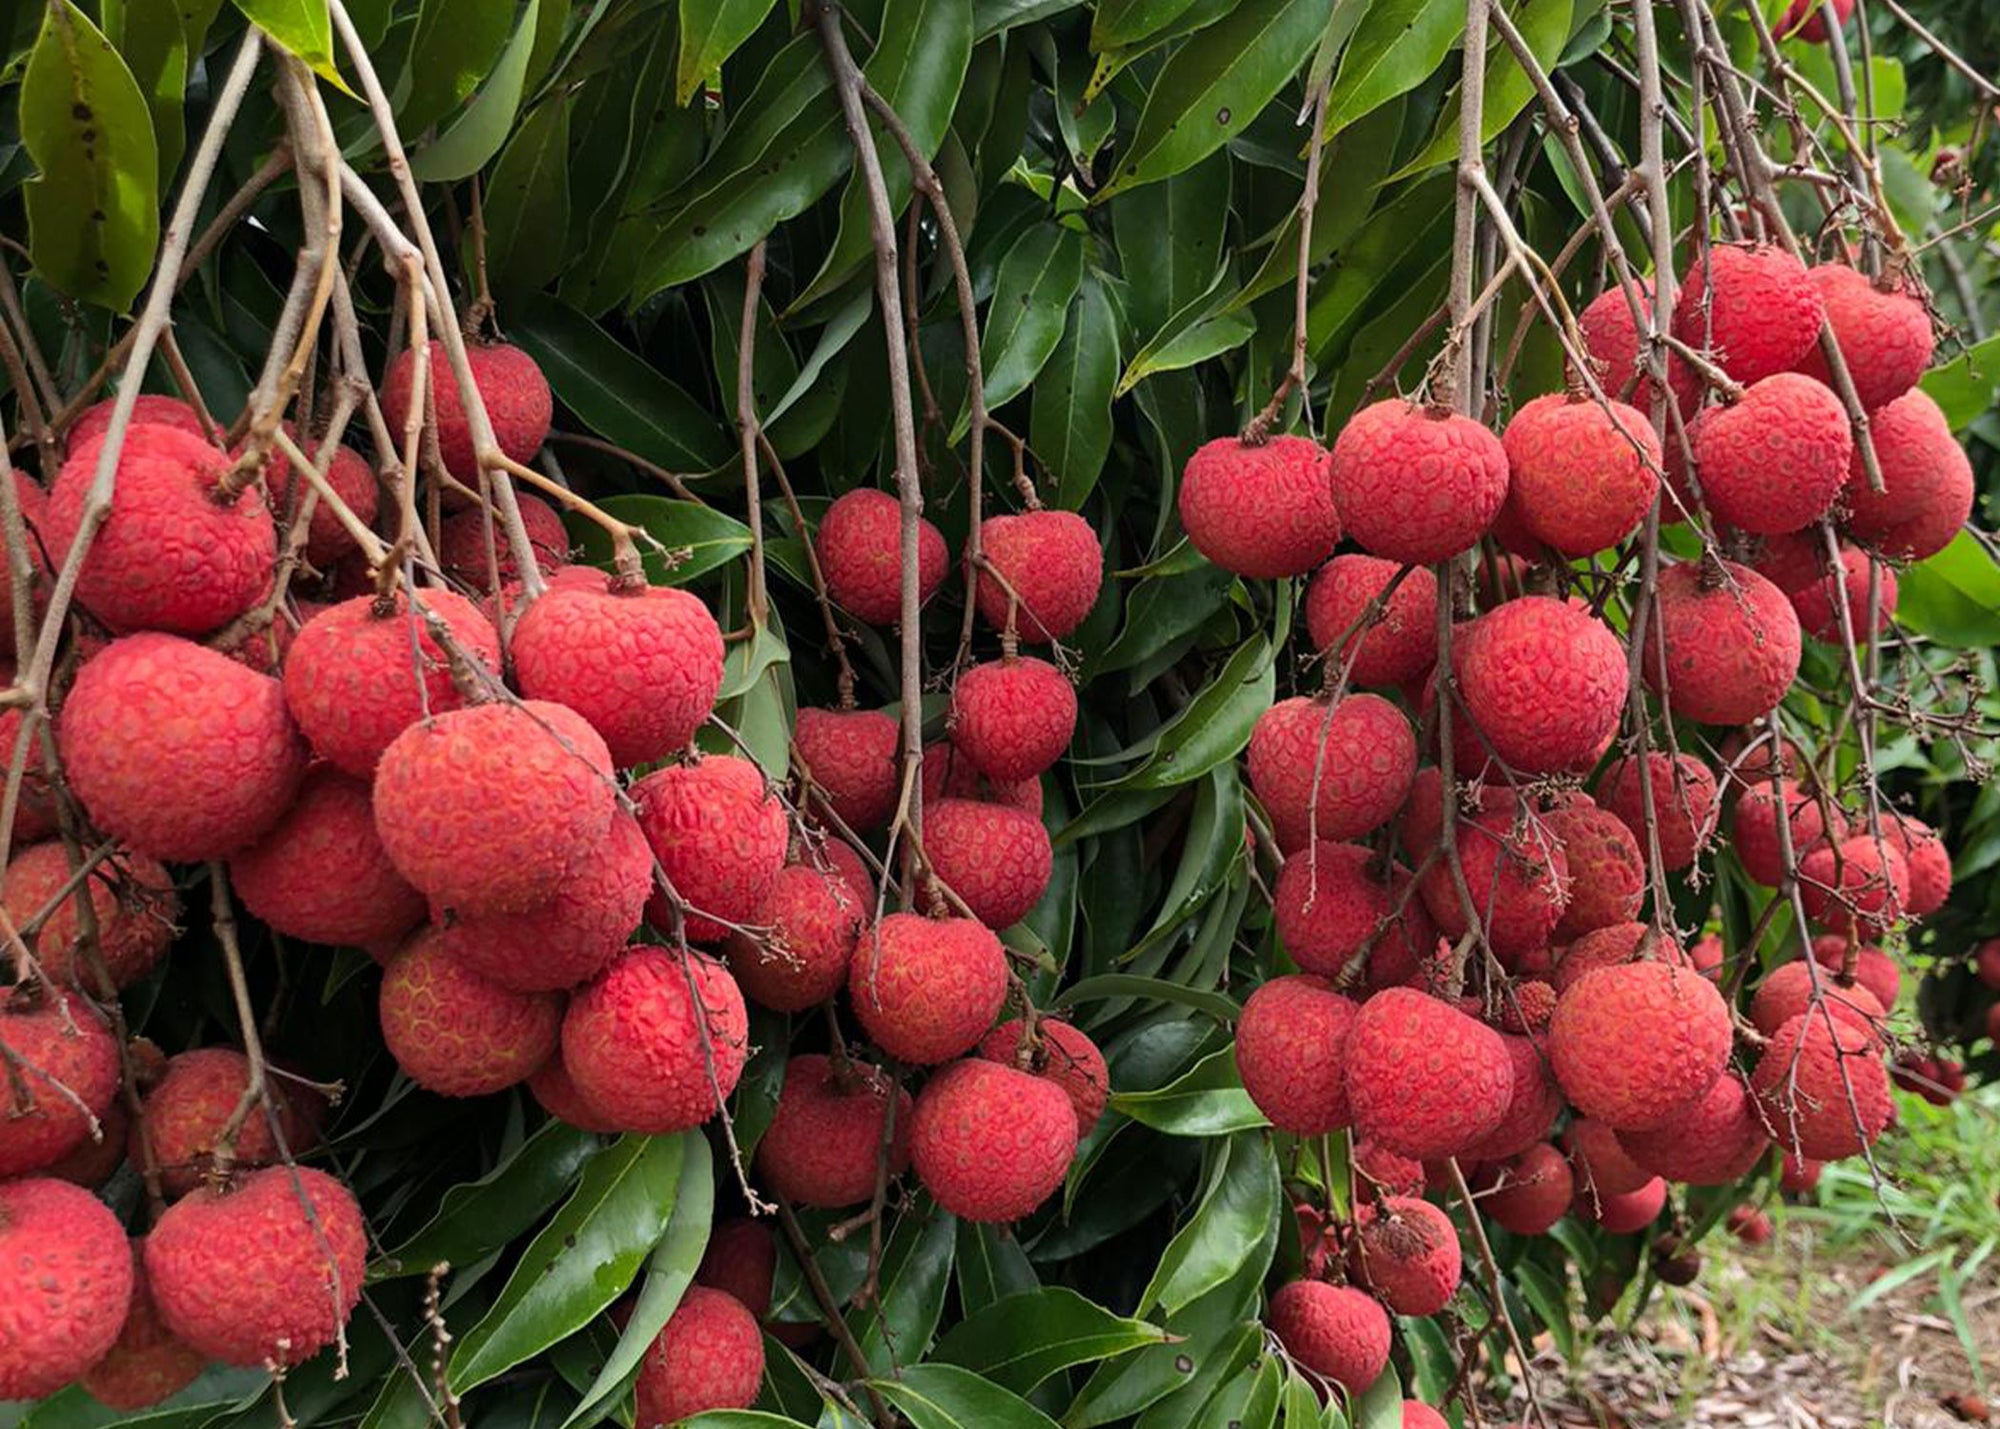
(1012, 717)
(851, 756)
(511, 387)
(1716, 1141)
(1775, 460)
(61, 1073)
(813, 918)
(1823, 1088)
(926, 990)
(1581, 476)
(860, 549)
(132, 898)
(1731, 642)
(188, 1108)
(457, 1033)
(1543, 683)
(1424, 1079)
(1684, 799)
(1406, 1251)
(473, 545)
(1640, 1043)
(1054, 566)
(709, 1355)
(1753, 306)
(719, 833)
(826, 1135)
(1291, 1053)
(1060, 1052)
(1883, 331)
(65, 1280)
(997, 860)
(322, 874)
(991, 1142)
(147, 1363)
(1362, 752)
(1415, 485)
(1261, 511)
(1754, 827)
(1927, 485)
(657, 1040)
(1393, 649)
(1336, 1331)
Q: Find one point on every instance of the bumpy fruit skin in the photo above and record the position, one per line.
(1335, 1331)
(1823, 1088)
(719, 833)
(1612, 340)
(1581, 477)
(1754, 827)
(1327, 905)
(1928, 859)
(244, 1275)
(642, 666)
(1291, 1052)
(814, 917)
(1064, 1055)
(1399, 648)
(1518, 876)
(1775, 461)
(189, 1107)
(1638, 1044)
(860, 549)
(1628, 1211)
(1406, 1251)
(1543, 682)
(511, 387)
(948, 774)
(1732, 648)
(1884, 334)
(1414, 486)
(456, 1033)
(1528, 1193)
(1417, 1415)
(852, 758)
(63, 1050)
(926, 990)
(1818, 604)
(1613, 946)
(1424, 1079)
(1012, 717)
(1607, 871)
(179, 752)
(557, 1094)
(1532, 1105)
(1795, 987)
(347, 473)
(146, 1364)
(656, 1039)
(1390, 1172)
(991, 1142)
(1052, 561)
(1716, 1141)
(172, 555)
(1927, 485)
(998, 860)
(741, 1260)
(1260, 511)
(570, 938)
(486, 809)
(65, 1283)
(709, 1355)
(1365, 755)
(150, 409)
(1754, 306)
(1684, 802)
(1862, 882)
(354, 683)
(131, 896)
(322, 874)
(473, 544)
(1603, 1166)
(1873, 968)
(1798, 1176)
(821, 1147)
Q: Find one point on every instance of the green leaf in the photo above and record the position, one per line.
(1119, 23)
(462, 150)
(1544, 24)
(1208, 1100)
(1170, 239)
(583, 1259)
(937, 1396)
(152, 37)
(528, 199)
(476, 1218)
(1207, 327)
(1397, 46)
(1954, 596)
(302, 26)
(1380, 1406)
(454, 45)
(1214, 85)
(741, 1419)
(990, 1266)
(1069, 424)
(1022, 1340)
(916, 1272)
(1549, 1296)
(1216, 724)
(707, 538)
(1967, 386)
(1160, 611)
(1031, 295)
(93, 209)
(1152, 989)
(709, 34)
(1236, 1222)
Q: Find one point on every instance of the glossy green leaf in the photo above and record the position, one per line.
(93, 209)
(990, 1266)
(1380, 1406)
(1031, 297)
(701, 537)
(1208, 1100)
(479, 1217)
(1208, 327)
(1405, 236)
(741, 1419)
(1236, 1222)
(1216, 724)
(1968, 385)
(709, 34)
(1545, 25)
(1020, 1341)
(527, 200)
(1105, 985)
(302, 26)
(916, 1272)
(453, 47)
(939, 1396)
(1159, 612)
(1397, 46)
(1069, 423)
(1118, 23)
(993, 17)
(1954, 597)
(1170, 238)
(153, 39)
(463, 149)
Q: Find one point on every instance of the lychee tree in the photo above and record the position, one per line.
(969, 712)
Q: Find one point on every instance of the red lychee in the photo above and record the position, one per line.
(1716, 1141)
(1418, 1415)
(1527, 1005)
(268, 1269)
(1336, 1331)
(1422, 1077)
(1823, 1088)
(1808, 19)
(486, 809)
(1543, 682)
(511, 387)
(1612, 340)
(1628, 1211)
(473, 545)
(719, 833)
(1883, 331)
(1928, 859)
(146, 1364)
(991, 1142)
(657, 1040)
(1052, 563)
(180, 752)
(1612, 946)
(189, 1107)
(1581, 477)
(1927, 486)
(1607, 871)
(814, 917)
(150, 409)
(456, 1033)
(1532, 1105)
(1060, 1052)
(348, 473)
(852, 758)
(1012, 717)
(1395, 649)
(1327, 906)
(322, 874)
(949, 774)
(1792, 561)
(360, 673)
(741, 1259)
(176, 553)
(1406, 1251)
(1527, 1194)
(1363, 753)
(132, 899)
(1416, 485)
(926, 990)
(1859, 881)
(1291, 1052)
(1684, 799)
(860, 549)
(1793, 988)
(66, 1280)
(1732, 643)
(1798, 1176)
(1603, 1166)
(59, 1054)
(552, 1088)
(1873, 968)
(1640, 1043)
(1517, 874)
(1754, 306)
(997, 860)
(1260, 511)
(1750, 1225)
(91, 1163)
(1389, 1172)
(823, 1143)
(709, 1355)
(1775, 460)
(1754, 827)
(1818, 604)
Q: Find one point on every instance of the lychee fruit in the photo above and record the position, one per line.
(1543, 682)
(473, 545)
(949, 774)
(1053, 565)
(1327, 906)
(149, 409)
(267, 1269)
(1262, 511)
(1527, 1005)
(1928, 859)
(1799, 986)
(1798, 1176)
(851, 757)
(814, 918)
(176, 553)
(1517, 874)
(147, 1363)
(1823, 1088)
(741, 1259)
(1361, 751)
(1012, 717)
(1336, 1331)
(1607, 871)
(1627, 1211)
(657, 1040)
(1754, 827)
(92, 1163)
(59, 1054)
(1985, 962)
(825, 1139)
(926, 990)
(709, 1355)
(1791, 561)
(1927, 485)
(511, 387)
(991, 1142)
(1882, 328)
(457, 1033)
(1640, 1043)
(179, 752)
(1808, 20)
(1389, 1172)
(1532, 1105)
(1819, 604)
(997, 860)
(322, 874)
(860, 549)
(1775, 460)
(1062, 1053)
(1291, 1053)
(1861, 882)
(1397, 646)
(1684, 800)
(1406, 1251)
(1731, 643)
(486, 809)
(1712, 1143)
(66, 1280)
(643, 666)
(719, 833)
(361, 672)
(1528, 1193)
(570, 938)
(1613, 342)
(189, 1107)
(1750, 1225)
(1424, 1079)
(1581, 476)
(1614, 945)
(557, 1094)
(1873, 968)
(348, 473)
(1753, 306)
(1418, 1415)
(132, 899)
(1416, 485)
(1603, 1166)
